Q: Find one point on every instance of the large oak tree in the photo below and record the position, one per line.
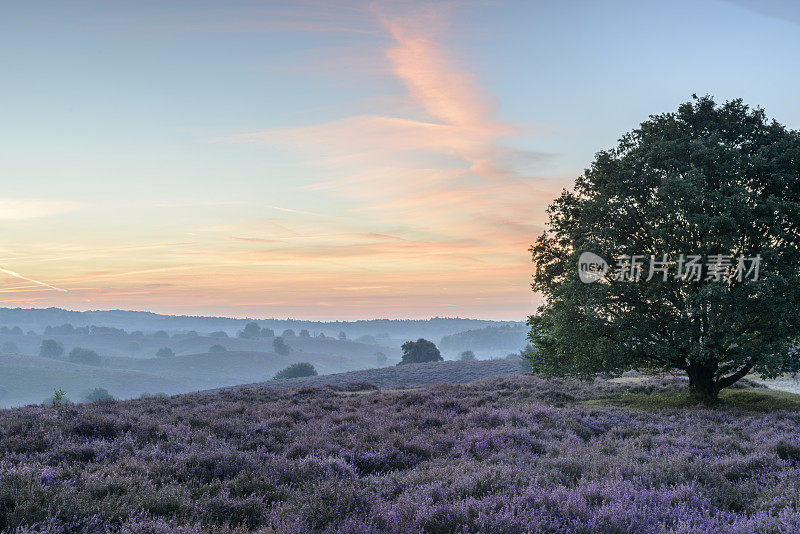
(706, 180)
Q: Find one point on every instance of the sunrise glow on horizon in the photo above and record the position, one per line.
(334, 160)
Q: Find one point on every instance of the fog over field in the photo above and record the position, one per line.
(208, 352)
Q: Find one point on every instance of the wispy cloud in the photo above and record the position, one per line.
(437, 169)
(36, 282)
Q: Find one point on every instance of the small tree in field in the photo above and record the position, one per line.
(467, 356)
(165, 352)
(381, 359)
(251, 331)
(281, 347)
(716, 181)
(51, 348)
(420, 351)
(98, 395)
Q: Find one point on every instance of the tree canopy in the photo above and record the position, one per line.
(51, 348)
(715, 182)
(420, 351)
(281, 347)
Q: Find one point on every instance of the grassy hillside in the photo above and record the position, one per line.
(513, 454)
(205, 371)
(411, 375)
(127, 371)
(30, 379)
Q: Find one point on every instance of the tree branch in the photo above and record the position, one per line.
(722, 383)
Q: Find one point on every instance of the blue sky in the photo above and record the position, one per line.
(334, 159)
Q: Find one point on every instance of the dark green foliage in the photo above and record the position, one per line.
(59, 398)
(296, 370)
(217, 348)
(253, 331)
(165, 352)
(250, 331)
(708, 179)
(467, 356)
(219, 333)
(51, 349)
(342, 336)
(84, 356)
(288, 333)
(305, 333)
(420, 351)
(281, 347)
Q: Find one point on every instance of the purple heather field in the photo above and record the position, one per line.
(504, 454)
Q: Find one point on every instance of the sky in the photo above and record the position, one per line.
(334, 160)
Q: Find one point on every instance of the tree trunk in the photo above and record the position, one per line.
(701, 382)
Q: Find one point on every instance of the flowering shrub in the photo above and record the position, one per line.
(506, 454)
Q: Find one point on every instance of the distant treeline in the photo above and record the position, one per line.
(39, 319)
(512, 337)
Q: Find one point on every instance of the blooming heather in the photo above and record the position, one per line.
(513, 454)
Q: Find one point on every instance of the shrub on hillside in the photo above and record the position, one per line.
(51, 348)
(165, 352)
(147, 395)
(217, 348)
(281, 347)
(296, 370)
(467, 356)
(98, 395)
(84, 356)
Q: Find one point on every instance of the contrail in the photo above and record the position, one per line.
(17, 275)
